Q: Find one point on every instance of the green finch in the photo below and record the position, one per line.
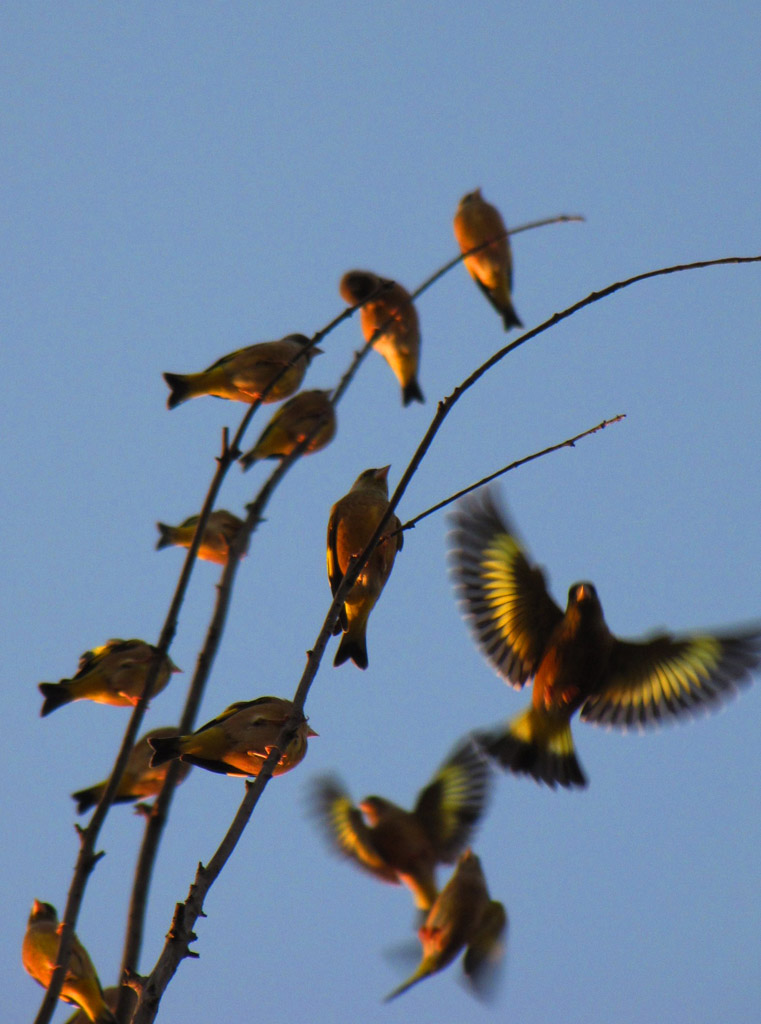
(353, 520)
(293, 422)
(238, 741)
(576, 663)
(463, 917)
(243, 375)
(139, 780)
(475, 223)
(220, 532)
(405, 846)
(391, 312)
(39, 954)
(112, 674)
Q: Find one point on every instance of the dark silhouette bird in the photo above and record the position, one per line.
(405, 846)
(575, 662)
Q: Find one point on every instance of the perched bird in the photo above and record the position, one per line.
(220, 532)
(39, 954)
(139, 779)
(291, 425)
(243, 375)
(576, 663)
(475, 222)
(353, 520)
(392, 312)
(405, 846)
(463, 917)
(112, 674)
(238, 741)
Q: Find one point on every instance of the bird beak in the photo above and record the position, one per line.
(382, 473)
(311, 732)
(36, 907)
(583, 594)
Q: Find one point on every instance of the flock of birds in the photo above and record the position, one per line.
(574, 661)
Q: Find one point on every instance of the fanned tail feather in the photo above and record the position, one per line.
(533, 744)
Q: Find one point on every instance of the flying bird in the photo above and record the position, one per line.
(476, 223)
(139, 780)
(392, 312)
(307, 413)
(401, 846)
(238, 741)
(353, 520)
(112, 674)
(463, 917)
(242, 376)
(221, 530)
(39, 955)
(576, 663)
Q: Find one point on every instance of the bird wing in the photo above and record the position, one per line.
(233, 710)
(346, 829)
(505, 597)
(451, 804)
(667, 677)
(486, 949)
(334, 571)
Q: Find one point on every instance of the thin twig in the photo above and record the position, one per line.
(570, 442)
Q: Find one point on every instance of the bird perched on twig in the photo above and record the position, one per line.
(112, 674)
(293, 422)
(238, 741)
(576, 663)
(219, 533)
(39, 955)
(393, 314)
(475, 223)
(243, 375)
(353, 520)
(138, 780)
(463, 917)
(405, 846)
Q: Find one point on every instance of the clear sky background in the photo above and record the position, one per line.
(181, 179)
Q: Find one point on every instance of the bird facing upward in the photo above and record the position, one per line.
(353, 520)
(39, 955)
(575, 662)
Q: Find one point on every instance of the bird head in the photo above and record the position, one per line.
(358, 285)
(43, 912)
(373, 480)
(470, 197)
(374, 808)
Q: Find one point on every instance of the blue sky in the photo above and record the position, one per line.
(183, 179)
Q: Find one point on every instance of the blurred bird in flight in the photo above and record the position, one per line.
(463, 917)
(575, 662)
(405, 846)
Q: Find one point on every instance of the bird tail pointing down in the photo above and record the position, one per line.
(537, 745)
